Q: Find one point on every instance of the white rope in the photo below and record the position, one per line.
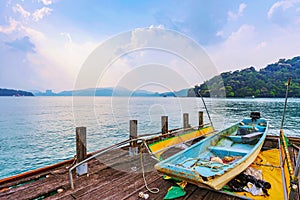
(152, 190)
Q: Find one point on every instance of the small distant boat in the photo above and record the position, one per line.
(217, 159)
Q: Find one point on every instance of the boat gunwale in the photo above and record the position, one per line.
(180, 134)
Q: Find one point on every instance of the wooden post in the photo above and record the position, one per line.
(185, 120)
(200, 119)
(296, 174)
(133, 149)
(164, 124)
(81, 150)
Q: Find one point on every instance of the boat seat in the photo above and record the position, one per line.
(245, 138)
(227, 151)
(253, 135)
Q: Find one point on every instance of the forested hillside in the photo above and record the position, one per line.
(10, 92)
(267, 82)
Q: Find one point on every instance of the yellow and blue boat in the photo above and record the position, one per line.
(217, 159)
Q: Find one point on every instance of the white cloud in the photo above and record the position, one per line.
(285, 14)
(159, 26)
(155, 46)
(249, 47)
(35, 35)
(68, 36)
(245, 31)
(8, 3)
(58, 64)
(220, 33)
(242, 8)
(261, 45)
(18, 8)
(55, 62)
(40, 13)
(283, 5)
(233, 53)
(234, 16)
(46, 2)
(13, 24)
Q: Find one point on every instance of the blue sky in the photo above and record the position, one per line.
(43, 43)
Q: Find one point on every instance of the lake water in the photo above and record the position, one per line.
(38, 131)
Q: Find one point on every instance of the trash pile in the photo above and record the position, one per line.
(250, 180)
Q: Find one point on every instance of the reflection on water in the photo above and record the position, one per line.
(38, 131)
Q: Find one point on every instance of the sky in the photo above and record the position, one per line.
(45, 43)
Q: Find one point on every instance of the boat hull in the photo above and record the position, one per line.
(182, 164)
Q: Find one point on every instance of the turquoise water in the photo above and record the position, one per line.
(38, 131)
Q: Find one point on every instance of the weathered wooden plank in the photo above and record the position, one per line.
(29, 185)
(16, 183)
(98, 172)
(152, 180)
(36, 189)
(59, 178)
(199, 193)
(106, 176)
(211, 195)
(88, 184)
(33, 175)
(189, 189)
(122, 181)
(163, 186)
(128, 186)
(117, 185)
(66, 197)
(63, 168)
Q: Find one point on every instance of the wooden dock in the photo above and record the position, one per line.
(112, 175)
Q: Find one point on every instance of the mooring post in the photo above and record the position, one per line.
(185, 120)
(81, 150)
(133, 149)
(200, 119)
(294, 184)
(296, 173)
(164, 124)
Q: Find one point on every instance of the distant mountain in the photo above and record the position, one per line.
(119, 91)
(267, 82)
(11, 92)
(180, 93)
